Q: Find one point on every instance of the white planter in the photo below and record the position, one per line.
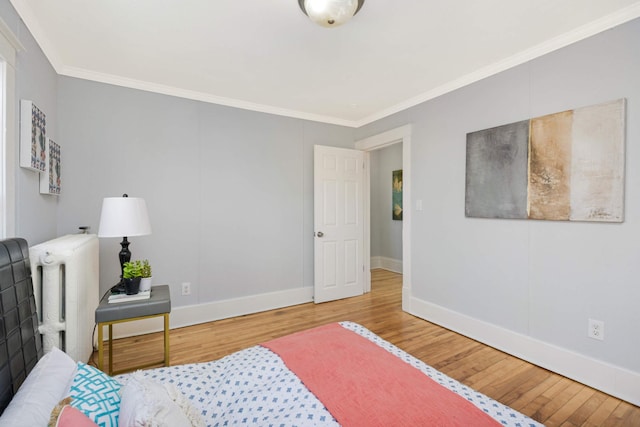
(145, 284)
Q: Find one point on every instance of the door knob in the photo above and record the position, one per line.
(320, 234)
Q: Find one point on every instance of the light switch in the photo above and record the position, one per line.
(419, 205)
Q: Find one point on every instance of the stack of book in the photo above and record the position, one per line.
(120, 297)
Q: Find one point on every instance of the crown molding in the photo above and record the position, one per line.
(605, 23)
(197, 96)
(23, 7)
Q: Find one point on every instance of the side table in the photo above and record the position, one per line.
(158, 304)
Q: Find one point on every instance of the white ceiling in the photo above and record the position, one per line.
(266, 55)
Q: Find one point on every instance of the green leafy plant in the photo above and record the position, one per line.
(132, 269)
(146, 268)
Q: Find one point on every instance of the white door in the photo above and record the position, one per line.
(338, 222)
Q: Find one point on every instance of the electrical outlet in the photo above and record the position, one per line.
(596, 329)
(186, 288)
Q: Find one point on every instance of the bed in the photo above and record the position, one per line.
(335, 374)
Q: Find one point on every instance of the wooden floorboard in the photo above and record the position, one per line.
(543, 395)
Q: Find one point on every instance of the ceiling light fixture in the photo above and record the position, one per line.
(330, 13)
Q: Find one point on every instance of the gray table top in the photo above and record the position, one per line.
(158, 303)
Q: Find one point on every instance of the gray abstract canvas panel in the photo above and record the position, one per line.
(496, 175)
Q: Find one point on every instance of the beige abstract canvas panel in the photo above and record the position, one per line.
(597, 178)
(549, 193)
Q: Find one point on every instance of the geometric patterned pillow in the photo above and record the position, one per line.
(97, 395)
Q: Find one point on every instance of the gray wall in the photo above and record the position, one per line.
(229, 192)
(36, 214)
(542, 279)
(386, 234)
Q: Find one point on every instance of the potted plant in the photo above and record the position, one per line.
(145, 283)
(132, 274)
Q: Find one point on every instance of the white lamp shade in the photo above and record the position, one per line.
(330, 13)
(124, 217)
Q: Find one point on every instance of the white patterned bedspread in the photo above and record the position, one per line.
(254, 387)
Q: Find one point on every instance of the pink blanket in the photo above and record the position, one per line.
(362, 384)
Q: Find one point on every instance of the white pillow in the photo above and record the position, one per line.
(44, 387)
(151, 404)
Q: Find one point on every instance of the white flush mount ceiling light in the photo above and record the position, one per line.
(330, 13)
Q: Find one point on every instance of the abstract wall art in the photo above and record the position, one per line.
(567, 166)
(50, 181)
(33, 153)
(396, 195)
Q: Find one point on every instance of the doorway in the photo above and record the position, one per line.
(394, 136)
(386, 208)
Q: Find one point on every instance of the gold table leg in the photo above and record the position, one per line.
(110, 348)
(100, 346)
(166, 339)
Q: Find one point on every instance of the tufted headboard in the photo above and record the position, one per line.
(20, 342)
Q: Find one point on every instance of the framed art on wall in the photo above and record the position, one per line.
(396, 195)
(566, 166)
(33, 153)
(50, 178)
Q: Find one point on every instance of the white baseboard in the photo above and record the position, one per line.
(385, 263)
(608, 378)
(202, 313)
(611, 379)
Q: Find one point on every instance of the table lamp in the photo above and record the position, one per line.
(123, 217)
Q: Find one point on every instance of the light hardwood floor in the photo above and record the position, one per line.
(536, 392)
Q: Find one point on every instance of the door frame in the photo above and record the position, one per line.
(9, 47)
(400, 134)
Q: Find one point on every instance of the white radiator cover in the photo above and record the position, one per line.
(65, 273)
